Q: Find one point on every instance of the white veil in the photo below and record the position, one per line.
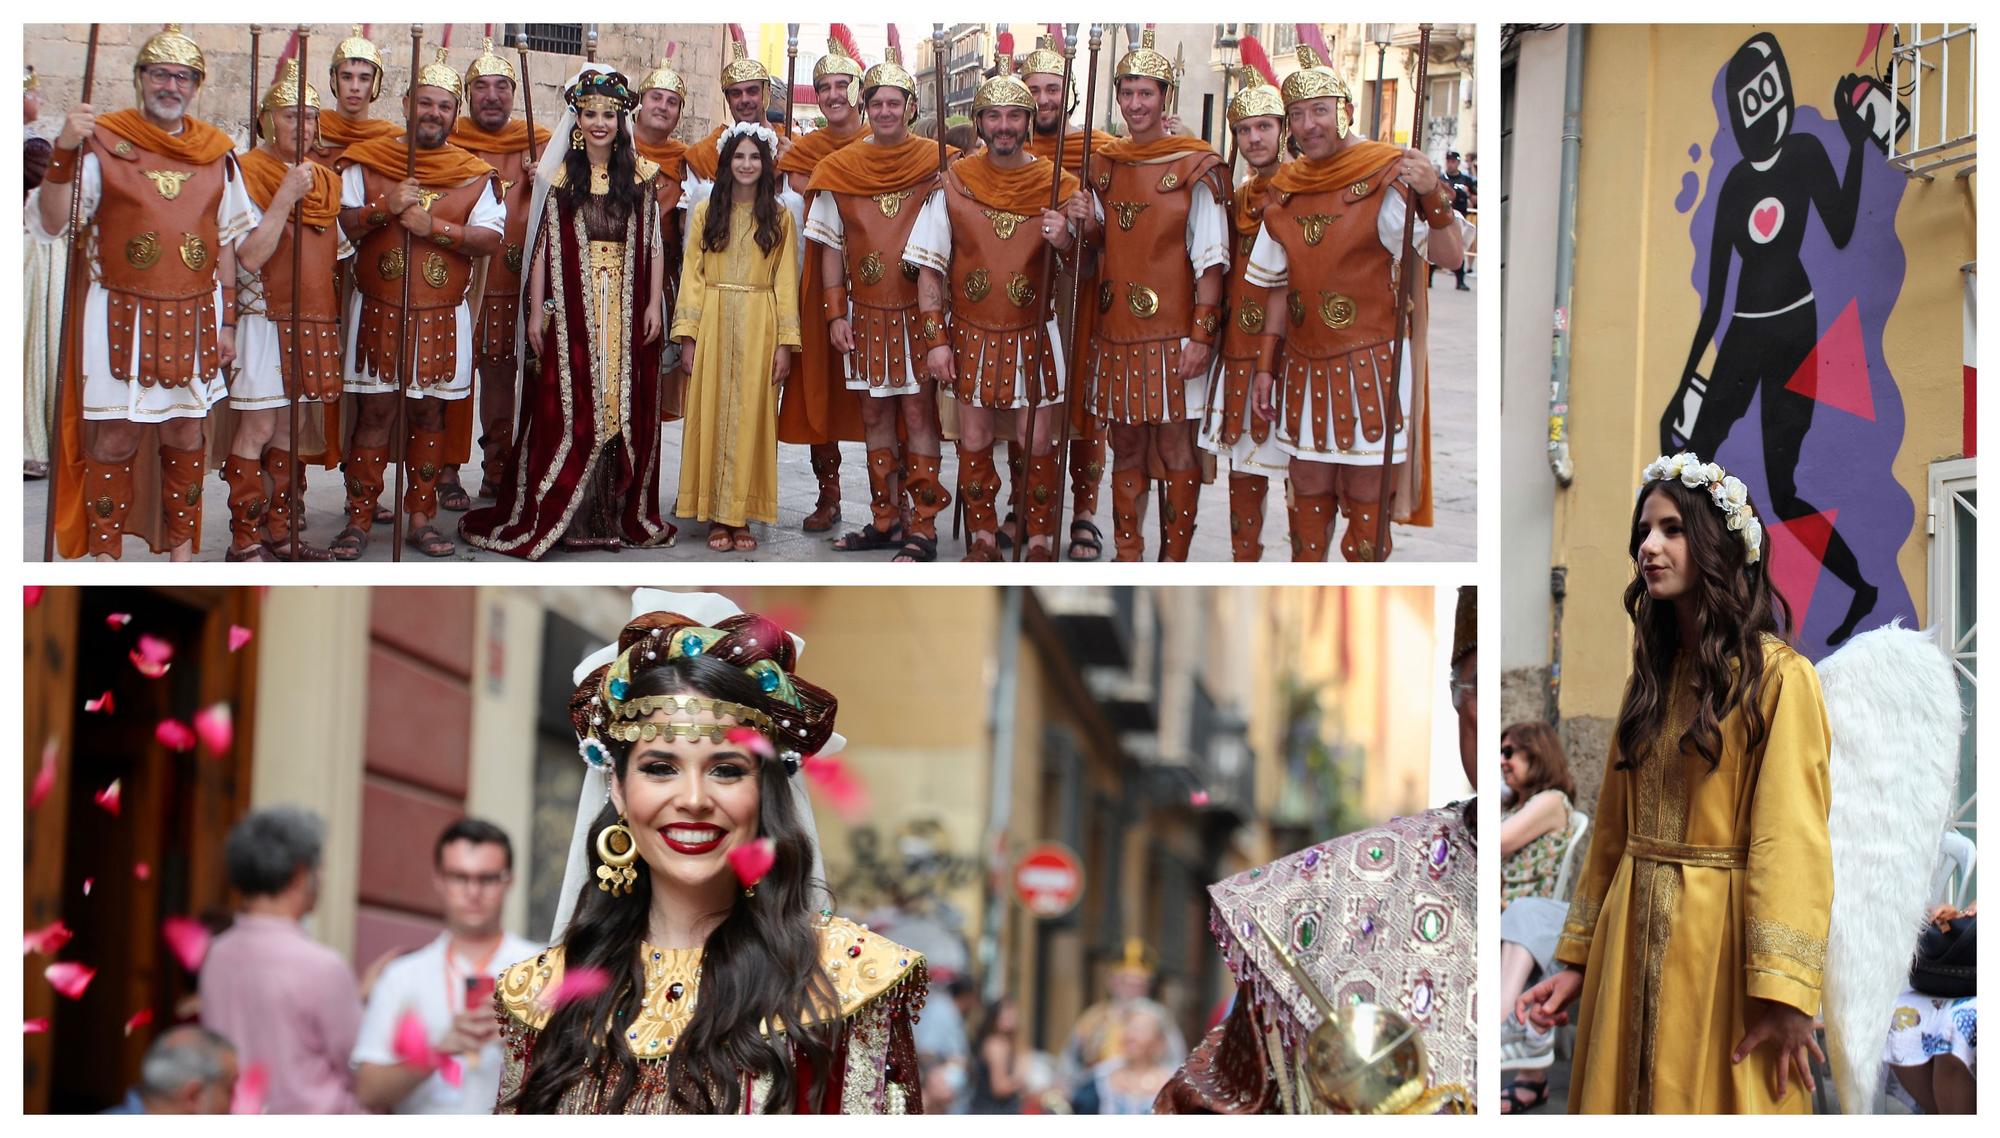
(708, 609)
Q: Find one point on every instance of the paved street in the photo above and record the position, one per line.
(1454, 423)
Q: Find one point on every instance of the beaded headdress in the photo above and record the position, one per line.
(1257, 99)
(1315, 80)
(1044, 60)
(1003, 90)
(601, 91)
(741, 68)
(1726, 490)
(358, 46)
(169, 45)
(489, 64)
(1145, 62)
(664, 78)
(795, 716)
(438, 73)
(836, 61)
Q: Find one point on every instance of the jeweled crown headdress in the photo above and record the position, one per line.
(358, 46)
(601, 90)
(169, 45)
(1003, 90)
(1146, 63)
(1726, 490)
(489, 64)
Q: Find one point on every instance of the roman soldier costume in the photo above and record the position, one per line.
(1228, 426)
(270, 374)
(817, 409)
(337, 132)
(705, 155)
(1164, 227)
(161, 209)
(981, 232)
(494, 348)
(459, 191)
(867, 199)
(1332, 231)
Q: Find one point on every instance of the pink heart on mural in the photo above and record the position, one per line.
(1766, 220)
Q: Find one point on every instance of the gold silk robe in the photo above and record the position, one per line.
(1703, 889)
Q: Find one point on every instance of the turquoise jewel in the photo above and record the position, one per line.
(768, 681)
(619, 686)
(690, 645)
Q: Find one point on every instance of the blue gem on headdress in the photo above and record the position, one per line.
(618, 687)
(593, 752)
(768, 681)
(691, 645)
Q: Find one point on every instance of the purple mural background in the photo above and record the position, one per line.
(1845, 466)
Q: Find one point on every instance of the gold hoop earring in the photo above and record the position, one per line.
(576, 138)
(751, 891)
(616, 875)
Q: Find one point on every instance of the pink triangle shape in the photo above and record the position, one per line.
(1835, 372)
(1796, 548)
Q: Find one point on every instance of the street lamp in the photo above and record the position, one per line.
(1379, 35)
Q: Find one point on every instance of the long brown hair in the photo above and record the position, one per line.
(1735, 607)
(715, 229)
(1547, 768)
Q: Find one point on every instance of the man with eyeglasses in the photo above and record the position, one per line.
(447, 985)
(166, 207)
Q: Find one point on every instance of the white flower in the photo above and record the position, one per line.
(1738, 518)
(1671, 468)
(1753, 537)
(1731, 492)
(1654, 470)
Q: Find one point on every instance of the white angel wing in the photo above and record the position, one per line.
(1893, 708)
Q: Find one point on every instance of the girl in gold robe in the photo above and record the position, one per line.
(738, 319)
(1697, 936)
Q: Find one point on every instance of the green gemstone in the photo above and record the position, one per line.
(1308, 929)
(1354, 998)
(1430, 926)
(1375, 853)
(1257, 873)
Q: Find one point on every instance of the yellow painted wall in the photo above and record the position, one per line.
(1647, 96)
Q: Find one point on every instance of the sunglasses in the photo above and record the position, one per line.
(1507, 751)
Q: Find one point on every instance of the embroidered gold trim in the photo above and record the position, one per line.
(1680, 853)
(1775, 938)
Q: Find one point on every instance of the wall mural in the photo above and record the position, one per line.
(1798, 266)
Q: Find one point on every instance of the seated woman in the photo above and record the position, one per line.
(1534, 836)
(683, 982)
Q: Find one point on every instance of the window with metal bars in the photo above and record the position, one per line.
(556, 39)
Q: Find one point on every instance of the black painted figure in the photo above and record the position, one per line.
(1761, 218)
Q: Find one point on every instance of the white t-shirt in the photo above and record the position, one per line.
(432, 984)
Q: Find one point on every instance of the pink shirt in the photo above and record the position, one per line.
(290, 1003)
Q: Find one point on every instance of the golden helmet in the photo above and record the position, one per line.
(358, 46)
(1044, 60)
(742, 68)
(438, 73)
(1003, 90)
(1315, 80)
(170, 46)
(890, 73)
(489, 64)
(1146, 63)
(836, 61)
(284, 93)
(664, 78)
(1257, 99)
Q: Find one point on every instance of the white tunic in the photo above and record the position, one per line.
(486, 214)
(105, 396)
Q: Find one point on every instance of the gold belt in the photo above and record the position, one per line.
(740, 288)
(1681, 853)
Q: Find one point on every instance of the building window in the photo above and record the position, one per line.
(1954, 591)
(556, 39)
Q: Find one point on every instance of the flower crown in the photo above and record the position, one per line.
(1724, 489)
(755, 130)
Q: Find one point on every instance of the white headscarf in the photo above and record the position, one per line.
(708, 610)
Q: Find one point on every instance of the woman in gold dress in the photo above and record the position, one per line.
(681, 981)
(738, 322)
(1697, 936)
(585, 466)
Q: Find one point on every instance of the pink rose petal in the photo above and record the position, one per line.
(101, 703)
(35, 1026)
(70, 978)
(216, 728)
(87, 883)
(174, 735)
(751, 740)
(47, 940)
(118, 619)
(450, 1071)
(1198, 798)
(152, 657)
(842, 790)
(108, 798)
(32, 594)
(188, 938)
(45, 778)
(579, 983)
(142, 871)
(751, 862)
(251, 1086)
(238, 636)
(139, 1019)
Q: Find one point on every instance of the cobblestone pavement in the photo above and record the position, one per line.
(1454, 426)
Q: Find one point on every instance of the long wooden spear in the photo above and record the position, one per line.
(1049, 257)
(256, 33)
(296, 504)
(72, 275)
(401, 442)
(791, 72)
(527, 103)
(1075, 350)
(937, 51)
(1405, 312)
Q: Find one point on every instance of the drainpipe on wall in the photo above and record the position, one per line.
(1572, 146)
(1000, 792)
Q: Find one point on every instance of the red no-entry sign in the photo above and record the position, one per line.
(1048, 879)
